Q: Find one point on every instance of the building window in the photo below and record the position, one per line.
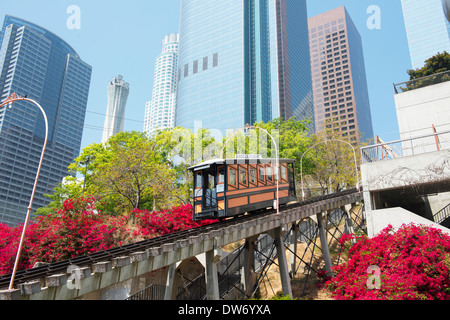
(195, 67)
(215, 60)
(186, 70)
(205, 63)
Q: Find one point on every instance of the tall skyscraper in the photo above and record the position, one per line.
(427, 28)
(160, 111)
(341, 97)
(37, 63)
(118, 91)
(242, 62)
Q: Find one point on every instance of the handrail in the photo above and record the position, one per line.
(442, 215)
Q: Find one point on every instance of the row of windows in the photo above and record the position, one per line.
(195, 65)
(262, 174)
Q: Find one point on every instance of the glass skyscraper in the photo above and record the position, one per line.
(160, 111)
(241, 62)
(341, 95)
(37, 63)
(427, 28)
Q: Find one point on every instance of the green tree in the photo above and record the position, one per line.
(293, 141)
(431, 71)
(71, 188)
(436, 64)
(333, 159)
(128, 172)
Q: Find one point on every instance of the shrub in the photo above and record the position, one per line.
(79, 229)
(413, 264)
(159, 223)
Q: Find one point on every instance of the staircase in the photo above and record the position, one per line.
(442, 216)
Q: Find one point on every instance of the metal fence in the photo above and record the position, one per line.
(422, 82)
(408, 147)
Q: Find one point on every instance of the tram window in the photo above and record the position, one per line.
(232, 177)
(262, 174)
(243, 176)
(283, 173)
(221, 176)
(198, 180)
(269, 171)
(252, 175)
(211, 182)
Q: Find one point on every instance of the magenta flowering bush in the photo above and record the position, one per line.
(412, 264)
(166, 221)
(79, 229)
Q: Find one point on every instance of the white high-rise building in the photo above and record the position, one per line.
(118, 91)
(160, 111)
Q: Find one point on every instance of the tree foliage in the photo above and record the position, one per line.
(433, 72)
(436, 64)
(334, 163)
(129, 171)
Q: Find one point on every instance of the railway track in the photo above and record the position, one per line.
(142, 246)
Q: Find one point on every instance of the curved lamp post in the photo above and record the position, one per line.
(247, 127)
(326, 141)
(14, 98)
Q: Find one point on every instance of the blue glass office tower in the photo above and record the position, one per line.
(37, 63)
(427, 28)
(241, 62)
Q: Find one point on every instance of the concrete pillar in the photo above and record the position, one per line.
(247, 278)
(324, 243)
(293, 247)
(212, 279)
(369, 208)
(282, 262)
(172, 283)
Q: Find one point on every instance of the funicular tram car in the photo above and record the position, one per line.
(226, 188)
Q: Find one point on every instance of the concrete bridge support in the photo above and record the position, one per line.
(248, 274)
(293, 248)
(172, 283)
(324, 242)
(277, 235)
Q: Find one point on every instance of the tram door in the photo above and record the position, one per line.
(209, 191)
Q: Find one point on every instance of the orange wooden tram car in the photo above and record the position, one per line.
(226, 188)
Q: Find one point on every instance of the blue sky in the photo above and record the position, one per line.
(124, 37)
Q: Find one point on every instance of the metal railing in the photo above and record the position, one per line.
(407, 147)
(422, 82)
(152, 292)
(442, 215)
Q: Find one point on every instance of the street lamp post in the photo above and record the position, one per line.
(14, 98)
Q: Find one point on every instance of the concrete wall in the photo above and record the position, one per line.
(419, 183)
(419, 109)
(425, 168)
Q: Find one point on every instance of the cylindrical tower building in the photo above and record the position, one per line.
(118, 91)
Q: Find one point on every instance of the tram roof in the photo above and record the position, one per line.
(209, 163)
